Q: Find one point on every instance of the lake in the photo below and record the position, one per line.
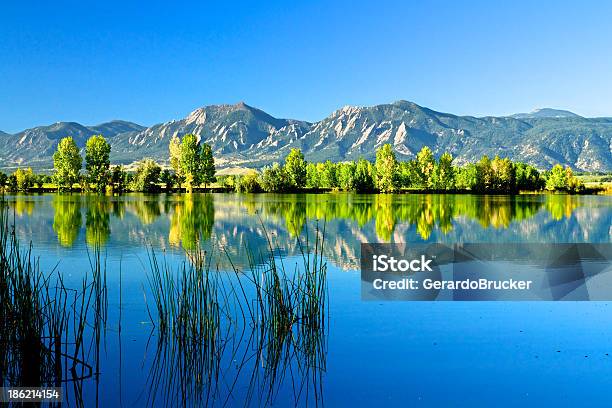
(370, 353)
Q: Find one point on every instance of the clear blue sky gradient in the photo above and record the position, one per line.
(152, 62)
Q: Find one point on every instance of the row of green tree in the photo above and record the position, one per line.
(388, 175)
(192, 165)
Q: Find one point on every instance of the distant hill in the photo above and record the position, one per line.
(35, 147)
(545, 113)
(115, 127)
(244, 136)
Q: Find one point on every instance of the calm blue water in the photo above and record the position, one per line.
(389, 353)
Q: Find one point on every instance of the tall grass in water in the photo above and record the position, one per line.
(189, 314)
(292, 315)
(268, 318)
(42, 323)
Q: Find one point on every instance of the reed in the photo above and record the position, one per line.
(42, 322)
(202, 318)
(188, 315)
(292, 306)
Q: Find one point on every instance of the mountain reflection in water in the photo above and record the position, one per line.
(230, 222)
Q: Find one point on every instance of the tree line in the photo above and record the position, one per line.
(388, 175)
(191, 161)
(192, 166)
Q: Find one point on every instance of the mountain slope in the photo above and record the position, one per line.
(34, 147)
(115, 127)
(241, 135)
(231, 130)
(352, 132)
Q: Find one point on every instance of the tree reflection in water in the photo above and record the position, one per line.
(97, 220)
(191, 217)
(191, 220)
(67, 219)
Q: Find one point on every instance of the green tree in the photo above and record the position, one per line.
(386, 169)
(445, 173)
(295, 166)
(364, 176)
(328, 177)
(345, 173)
(467, 177)
(84, 183)
(146, 176)
(38, 180)
(97, 161)
(275, 179)
(228, 182)
(174, 148)
(207, 165)
(196, 164)
(574, 184)
(119, 179)
(484, 175)
(557, 179)
(67, 163)
(409, 175)
(563, 179)
(190, 161)
(425, 166)
(248, 183)
(175, 157)
(11, 183)
(168, 179)
(312, 175)
(527, 177)
(504, 178)
(24, 179)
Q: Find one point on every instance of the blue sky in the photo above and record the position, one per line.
(151, 62)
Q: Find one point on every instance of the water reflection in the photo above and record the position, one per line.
(24, 205)
(191, 220)
(97, 220)
(238, 220)
(147, 210)
(426, 212)
(561, 206)
(67, 218)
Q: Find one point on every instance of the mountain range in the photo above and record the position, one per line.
(244, 136)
